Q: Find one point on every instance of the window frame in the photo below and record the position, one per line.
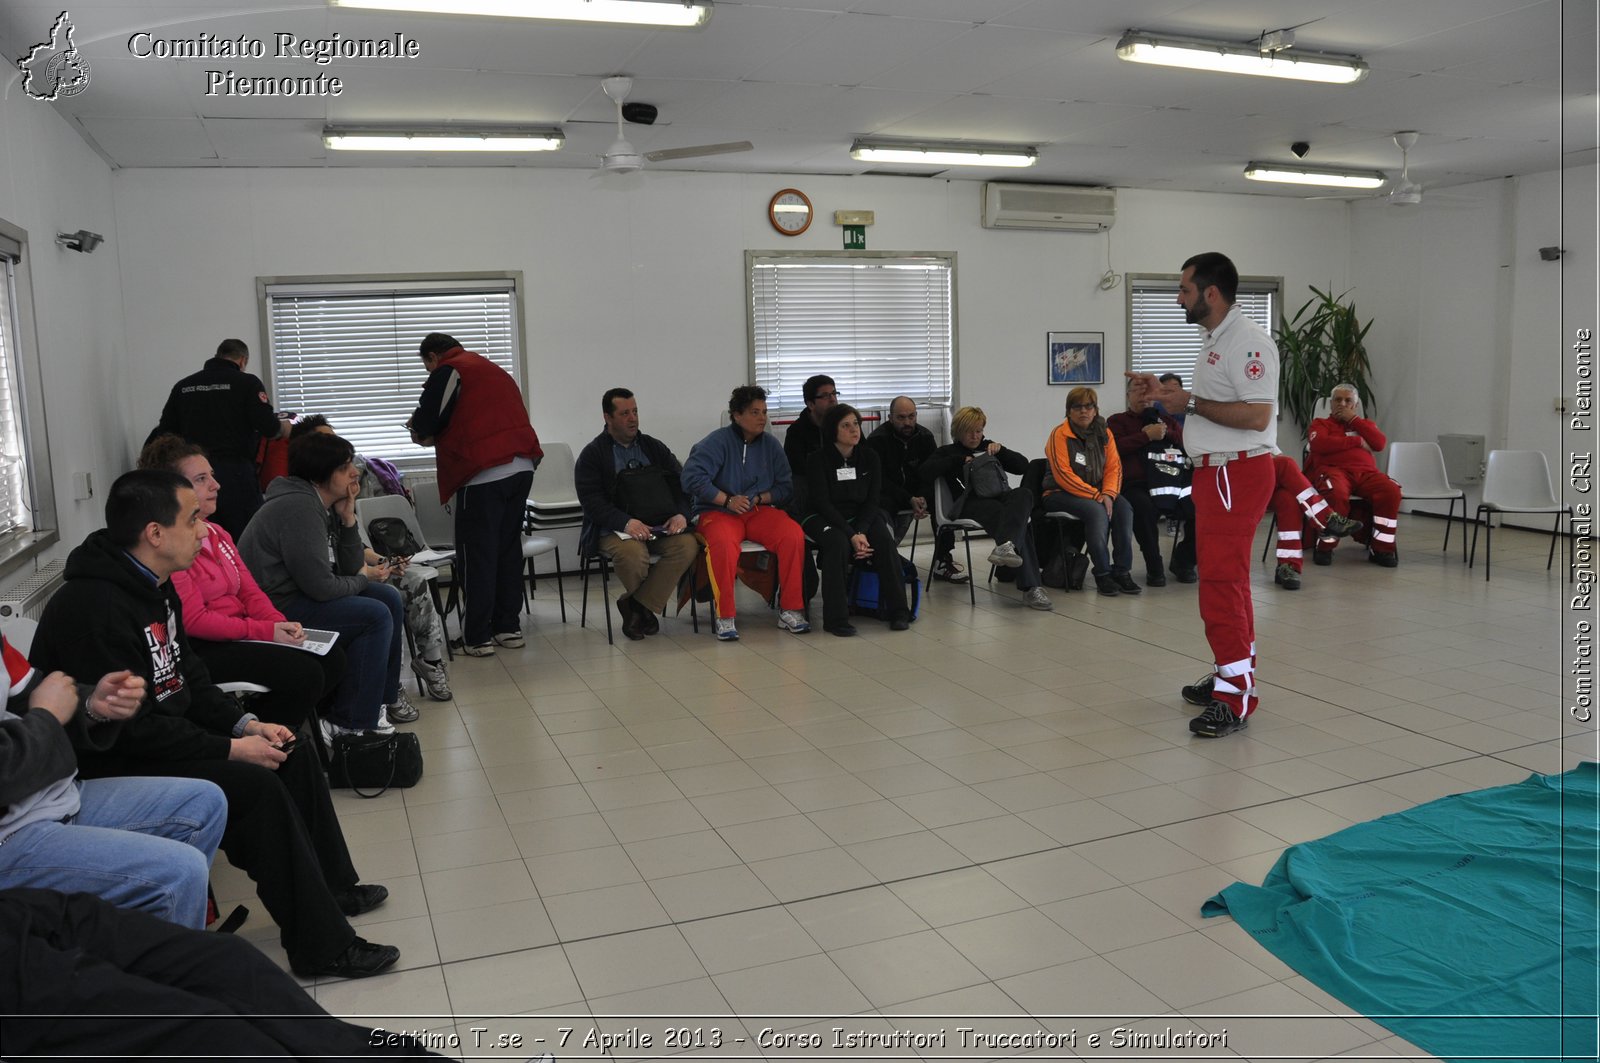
(353, 283)
(1146, 281)
(18, 549)
(754, 257)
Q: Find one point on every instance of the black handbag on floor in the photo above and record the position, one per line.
(375, 762)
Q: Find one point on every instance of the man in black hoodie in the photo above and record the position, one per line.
(119, 610)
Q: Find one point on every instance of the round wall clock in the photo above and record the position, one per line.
(790, 212)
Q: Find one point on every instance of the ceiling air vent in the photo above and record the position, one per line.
(1064, 208)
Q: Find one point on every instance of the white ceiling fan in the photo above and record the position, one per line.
(622, 157)
(1406, 192)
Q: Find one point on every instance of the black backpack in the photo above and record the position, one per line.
(645, 493)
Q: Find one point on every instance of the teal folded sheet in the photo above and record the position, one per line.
(1467, 925)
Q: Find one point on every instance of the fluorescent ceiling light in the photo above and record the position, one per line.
(377, 139)
(1311, 175)
(671, 14)
(1195, 53)
(943, 153)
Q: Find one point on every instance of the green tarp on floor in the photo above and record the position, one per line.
(1467, 925)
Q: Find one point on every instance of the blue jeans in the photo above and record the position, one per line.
(371, 626)
(137, 843)
(1096, 526)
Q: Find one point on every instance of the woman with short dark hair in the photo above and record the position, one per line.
(305, 549)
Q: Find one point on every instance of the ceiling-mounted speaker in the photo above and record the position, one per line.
(639, 113)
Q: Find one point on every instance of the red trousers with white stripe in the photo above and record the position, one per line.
(1229, 501)
(1381, 493)
(1293, 496)
(767, 525)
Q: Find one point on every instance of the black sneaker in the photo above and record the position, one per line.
(362, 959)
(1217, 721)
(1287, 577)
(358, 900)
(844, 629)
(1339, 526)
(1106, 585)
(1125, 584)
(1155, 578)
(1185, 575)
(1199, 692)
(1389, 559)
(1320, 556)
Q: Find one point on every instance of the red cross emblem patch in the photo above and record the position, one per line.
(1254, 369)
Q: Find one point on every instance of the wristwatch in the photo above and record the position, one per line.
(1193, 402)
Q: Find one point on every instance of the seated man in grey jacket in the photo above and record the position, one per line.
(136, 842)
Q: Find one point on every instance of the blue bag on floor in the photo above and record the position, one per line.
(862, 590)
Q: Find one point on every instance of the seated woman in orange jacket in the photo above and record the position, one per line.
(1087, 483)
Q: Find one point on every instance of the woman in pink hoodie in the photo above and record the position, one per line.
(230, 622)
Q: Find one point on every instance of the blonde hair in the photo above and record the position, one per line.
(966, 419)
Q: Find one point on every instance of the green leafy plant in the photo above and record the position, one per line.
(1323, 345)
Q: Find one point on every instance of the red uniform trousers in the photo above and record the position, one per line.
(1382, 495)
(1293, 496)
(1229, 501)
(767, 525)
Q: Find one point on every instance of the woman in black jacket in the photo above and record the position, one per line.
(1004, 517)
(845, 479)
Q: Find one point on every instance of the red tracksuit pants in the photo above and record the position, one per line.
(767, 525)
(1229, 501)
(1381, 493)
(1292, 496)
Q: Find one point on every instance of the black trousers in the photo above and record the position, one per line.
(283, 832)
(489, 546)
(835, 556)
(1147, 528)
(298, 678)
(241, 493)
(163, 991)
(1006, 521)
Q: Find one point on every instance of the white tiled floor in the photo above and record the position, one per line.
(997, 813)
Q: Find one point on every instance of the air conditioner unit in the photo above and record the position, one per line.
(1065, 208)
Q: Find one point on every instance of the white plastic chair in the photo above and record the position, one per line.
(371, 509)
(943, 503)
(554, 486)
(1518, 481)
(1419, 470)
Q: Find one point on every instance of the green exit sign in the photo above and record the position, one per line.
(855, 237)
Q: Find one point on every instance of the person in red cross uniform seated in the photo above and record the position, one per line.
(1295, 503)
(1342, 463)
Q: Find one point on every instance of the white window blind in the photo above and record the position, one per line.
(15, 517)
(348, 350)
(1161, 341)
(881, 327)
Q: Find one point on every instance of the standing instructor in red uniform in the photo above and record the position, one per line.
(473, 414)
(1229, 435)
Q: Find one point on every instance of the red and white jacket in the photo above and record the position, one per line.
(1344, 446)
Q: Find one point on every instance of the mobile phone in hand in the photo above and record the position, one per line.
(287, 746)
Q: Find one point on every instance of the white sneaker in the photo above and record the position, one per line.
(384, 726)
(511, 640)
(401, 710)
(1005, 554)
(479, 649)
(727, 630)
(794, 622)
(1036, 598)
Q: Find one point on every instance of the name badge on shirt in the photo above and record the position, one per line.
(1079, 459)
(845, 472)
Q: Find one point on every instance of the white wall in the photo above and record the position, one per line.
(640, 281)
(1471, 328)
(50, 181)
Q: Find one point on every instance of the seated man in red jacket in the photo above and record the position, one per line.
(1341, 462)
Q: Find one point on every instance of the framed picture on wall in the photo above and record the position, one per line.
(1075, 357)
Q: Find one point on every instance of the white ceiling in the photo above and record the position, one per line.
(1482, 80)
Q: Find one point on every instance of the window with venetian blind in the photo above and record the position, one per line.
(347, 348)
(1161, 341)
(27, 510)
(881, 325)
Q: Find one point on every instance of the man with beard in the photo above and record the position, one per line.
(1228, 433)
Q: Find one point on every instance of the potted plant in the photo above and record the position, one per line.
(1323, 345)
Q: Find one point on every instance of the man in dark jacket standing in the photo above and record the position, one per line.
(473, 414)
(118, 611)
(634, 508)
(225, 410)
